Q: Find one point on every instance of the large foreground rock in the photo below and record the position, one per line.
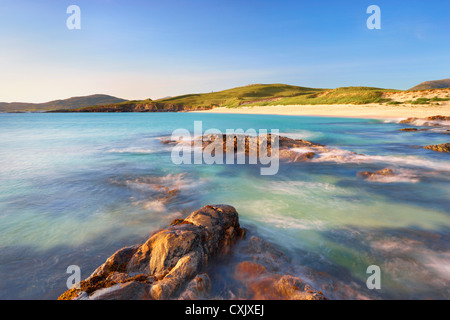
(175, 263)
(166, 261)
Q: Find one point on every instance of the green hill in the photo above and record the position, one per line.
(344, 95)
(71, 103)
(255, 93)
(250, 95)
(435, 84)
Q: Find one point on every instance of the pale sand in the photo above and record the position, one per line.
(372, 111)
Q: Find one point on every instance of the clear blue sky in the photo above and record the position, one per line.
(139, 49)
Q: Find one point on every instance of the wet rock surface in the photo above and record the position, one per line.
(387, 172)
(292, 150)
(444, 147)
(435, 124)
(174, 263)
(411, 129)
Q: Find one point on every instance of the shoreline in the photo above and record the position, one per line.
(367, 111)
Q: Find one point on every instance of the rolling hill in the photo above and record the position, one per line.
(71, 103)
(435, 84)
(250, 95)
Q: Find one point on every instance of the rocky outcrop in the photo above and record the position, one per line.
(166, 261)
(138, 107)
(174, 263)
(444, 147)
(383, 173)
(293, 150)
(411, 129)
(428, 121)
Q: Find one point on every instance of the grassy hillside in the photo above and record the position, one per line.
(251, 95)
(281, 94)
(235, 97)
(345, 95)
(71, 103)
(436, 84)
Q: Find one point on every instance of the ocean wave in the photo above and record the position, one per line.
(400, 176)
(133, 150)
(410, 253)
(345, 156)
(283, 222)
(427, 122)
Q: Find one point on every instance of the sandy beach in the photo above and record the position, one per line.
(372, 111)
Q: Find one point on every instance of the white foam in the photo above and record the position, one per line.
(133, 150)
(400, 176)
(344, 156)
(426, 123)
(303, 150)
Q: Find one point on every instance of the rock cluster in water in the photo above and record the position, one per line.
(172, 264)
(387, 172)
(293, 150)
(444, 147)
(428, 121)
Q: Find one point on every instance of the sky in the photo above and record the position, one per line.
(136, 49)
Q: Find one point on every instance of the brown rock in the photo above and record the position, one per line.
(370, 174)
(251, 145)
(411, 129)
(294, 156)
(264, 285)
(197, 288)
(444, 147)
(167, 260)
(440, 118)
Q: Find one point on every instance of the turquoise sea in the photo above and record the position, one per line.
(74, 188)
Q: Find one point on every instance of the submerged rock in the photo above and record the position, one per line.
(444, 147)
(265, 275)
(369, 174)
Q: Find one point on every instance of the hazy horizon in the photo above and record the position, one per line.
(149, 49)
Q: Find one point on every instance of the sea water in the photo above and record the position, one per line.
(75, 188)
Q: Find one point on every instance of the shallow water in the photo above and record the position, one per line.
(74, 188)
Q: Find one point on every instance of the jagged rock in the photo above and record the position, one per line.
(294, 156)
(444, 147)
(197, 288)
(411, 129)
(173, 264)
(440, 118)
(252, 145)
(370, 174)
(428, 121)
(166, 261)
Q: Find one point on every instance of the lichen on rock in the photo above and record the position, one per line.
(166, 261)
(174, 263)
